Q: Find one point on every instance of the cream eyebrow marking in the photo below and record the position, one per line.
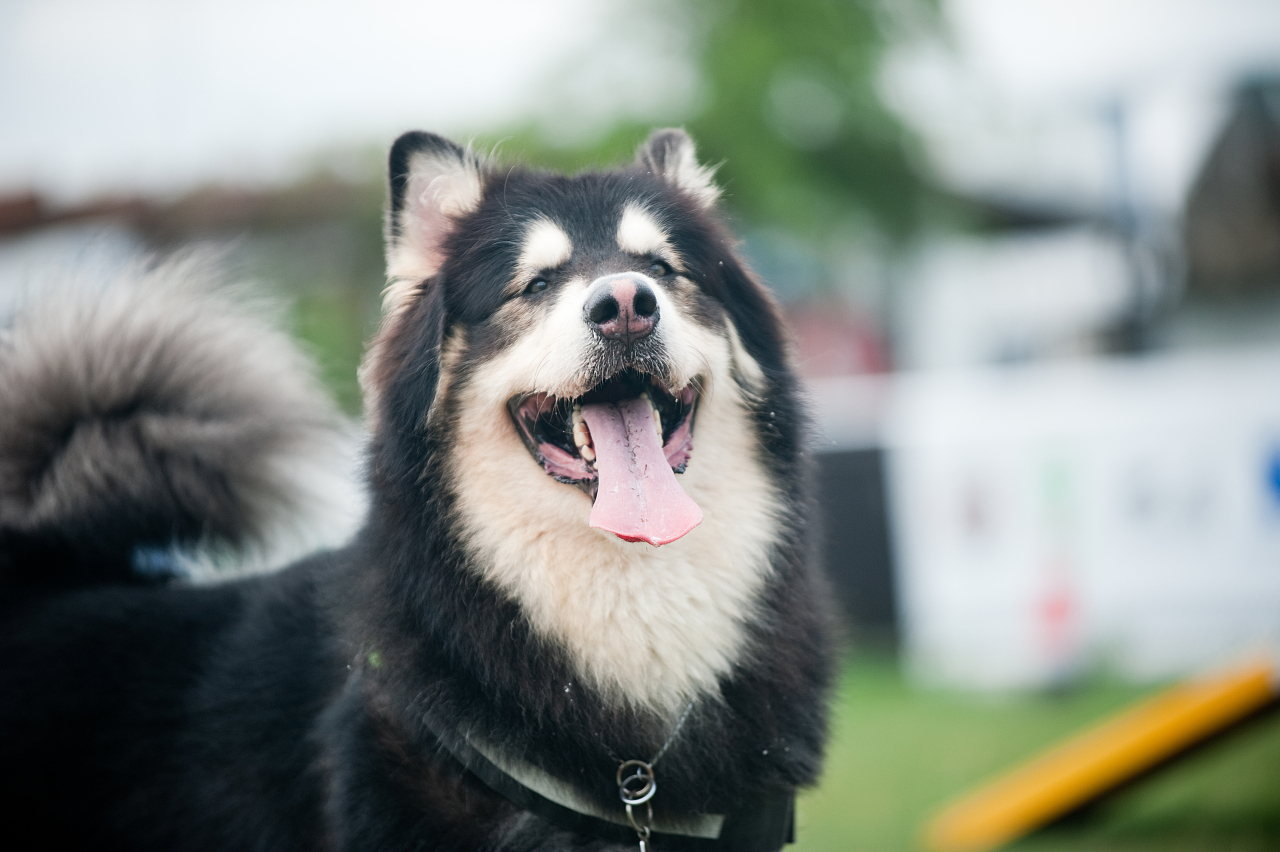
(546, 246)
(639, 233)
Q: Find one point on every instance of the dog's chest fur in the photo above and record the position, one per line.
(654, 627)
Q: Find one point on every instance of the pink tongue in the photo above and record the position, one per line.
(638, 498)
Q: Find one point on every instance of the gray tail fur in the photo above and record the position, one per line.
(147, 414)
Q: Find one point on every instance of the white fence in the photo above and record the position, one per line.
(1050, 519)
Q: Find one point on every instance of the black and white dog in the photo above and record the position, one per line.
(580, 613)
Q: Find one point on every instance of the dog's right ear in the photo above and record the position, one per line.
(433, 183)
(669, 153)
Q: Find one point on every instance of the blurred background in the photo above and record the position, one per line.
(1030, 252)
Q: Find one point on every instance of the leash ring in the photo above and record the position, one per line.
(642, 830)
(638, 787)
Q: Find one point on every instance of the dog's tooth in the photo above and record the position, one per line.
(657, 418)
(581, 437)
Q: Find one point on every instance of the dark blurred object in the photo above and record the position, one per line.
(204, 212)
(27, 211)
(1232, 222)
(856, 547)
(18, 212)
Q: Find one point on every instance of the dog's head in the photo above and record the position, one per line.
(583, 368)
(589, 316)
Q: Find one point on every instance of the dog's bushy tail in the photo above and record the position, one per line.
(151, 413)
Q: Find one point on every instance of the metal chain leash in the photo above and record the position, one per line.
(637, 785)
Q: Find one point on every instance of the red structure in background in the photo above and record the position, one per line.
(834, 339)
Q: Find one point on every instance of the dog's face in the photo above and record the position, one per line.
(594, 394)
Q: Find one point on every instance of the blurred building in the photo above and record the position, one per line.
(1081, 456)
(1117, 513)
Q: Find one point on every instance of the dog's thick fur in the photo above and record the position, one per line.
(302, 709)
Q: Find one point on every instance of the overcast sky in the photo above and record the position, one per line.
(156, 95)
(103, 95)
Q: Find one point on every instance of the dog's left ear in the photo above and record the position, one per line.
(433, 183)
(670, 153)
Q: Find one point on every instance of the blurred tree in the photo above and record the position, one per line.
(793, 111)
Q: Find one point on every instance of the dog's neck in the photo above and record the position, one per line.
(651, 626)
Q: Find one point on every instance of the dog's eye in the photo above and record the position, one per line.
(537, 285)
(658, 269)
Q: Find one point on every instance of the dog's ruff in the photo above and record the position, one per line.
(586, 543)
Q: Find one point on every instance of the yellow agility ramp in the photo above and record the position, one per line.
(1102, 758)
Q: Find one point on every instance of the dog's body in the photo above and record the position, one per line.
(586, 545)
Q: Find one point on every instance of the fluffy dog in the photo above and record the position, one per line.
(580, 613)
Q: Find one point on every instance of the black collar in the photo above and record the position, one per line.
(759, 826)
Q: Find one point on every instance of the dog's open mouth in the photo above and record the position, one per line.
(622, 442)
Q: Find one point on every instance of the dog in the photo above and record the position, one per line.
(580, 613)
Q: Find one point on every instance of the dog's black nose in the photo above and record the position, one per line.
(621, 307)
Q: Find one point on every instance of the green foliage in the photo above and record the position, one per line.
(793, 112)
(528, 144)
(790, 111)
(331, 274)
(332, 325)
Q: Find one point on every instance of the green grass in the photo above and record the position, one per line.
(330, 327)
(897, 753)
